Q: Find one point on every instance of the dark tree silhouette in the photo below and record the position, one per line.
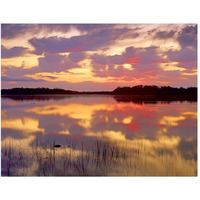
(147, 92)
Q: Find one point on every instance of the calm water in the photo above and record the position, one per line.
(99, 136)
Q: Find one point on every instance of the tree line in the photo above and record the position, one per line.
(136, 90)
(155, 90)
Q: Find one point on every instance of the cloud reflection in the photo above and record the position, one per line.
(155, 131)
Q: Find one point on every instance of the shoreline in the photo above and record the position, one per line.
(117, 97)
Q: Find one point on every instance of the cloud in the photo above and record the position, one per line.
(13, 52)
(136, 60)
(54, 58)
(164, 34)
(51, 63)
(48, 63)
(51, 77)
(55, 45)
(131, 55)
(19, 74)
(102, 59)
(9, 79)
(188, 37)
(140, 59)
(118, 72)
(9, 31)
(148, 55)
(130, 52)
(55, 63)
(184, 55)
(76, 56)
(12, 71)
(88, 42)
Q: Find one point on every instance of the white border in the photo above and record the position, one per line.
(104, 11)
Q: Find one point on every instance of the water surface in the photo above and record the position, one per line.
(99, 136)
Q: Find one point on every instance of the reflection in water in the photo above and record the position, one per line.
(26, 124)
(98, 136)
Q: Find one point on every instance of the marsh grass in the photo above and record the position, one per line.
(75, 158)
(92, 158)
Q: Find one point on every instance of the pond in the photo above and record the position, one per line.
(97, 136)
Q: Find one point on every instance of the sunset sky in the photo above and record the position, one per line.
(89, 57)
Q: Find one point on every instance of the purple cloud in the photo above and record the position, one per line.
(148, 55)
(9, 79)
(9, 31)
(188, 41)
(188, 37)
(48, 63)
(12, 71)
(76, 56)
(130, 52)
(13, 52)
(130, 55)
(115, 59)
(184, 55)
(164, 34)
(142, 60)
(89, 42)
(55, 63)
(51, 63)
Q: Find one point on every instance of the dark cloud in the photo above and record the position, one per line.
(51, 63)
(76, 56)
(89, 42)
(184, 55)
(115, 59)
(13, 52)
(148, 55)
(54, 58)
(48, 63)
(13, 30)
(112, 72)
(56, 45)
(142, 55)
(188, 37)
(142, 60)
(9, 79)
(164, 34)
(190, 29)
(51, 77)
(189, 65)
(55, 63)
(130, 52)
(9, 31)
(12, 71)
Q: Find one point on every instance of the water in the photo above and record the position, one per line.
(99, 136)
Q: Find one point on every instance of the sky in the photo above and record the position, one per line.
(98, 57)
